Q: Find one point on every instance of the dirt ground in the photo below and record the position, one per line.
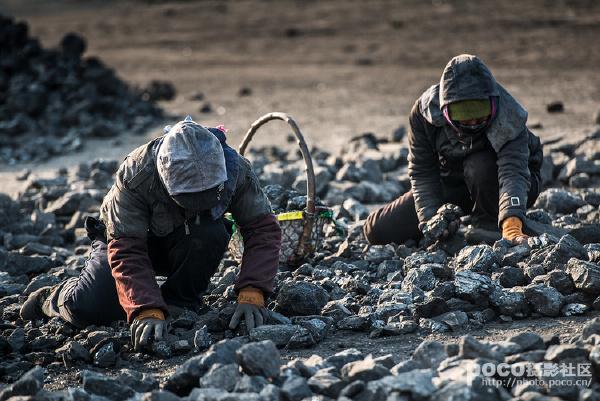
(339, 67)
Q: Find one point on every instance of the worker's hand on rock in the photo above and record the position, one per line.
(148, 326)
(512, 230)
(251, 306)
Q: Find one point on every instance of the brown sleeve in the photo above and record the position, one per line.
(262, 241)
(132, 270)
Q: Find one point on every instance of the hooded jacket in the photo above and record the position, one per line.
(139, 205)
(436, 152)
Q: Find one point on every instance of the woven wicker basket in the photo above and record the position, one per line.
(302, 230)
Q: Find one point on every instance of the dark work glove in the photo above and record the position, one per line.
(251, 305)
(145, 329)
(254, 316)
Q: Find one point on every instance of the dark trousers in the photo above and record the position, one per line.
(476, 193)
(187, 260)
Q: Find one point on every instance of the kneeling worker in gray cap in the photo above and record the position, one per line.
(165, 215)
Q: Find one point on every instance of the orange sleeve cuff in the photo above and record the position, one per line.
(512, 227)
(151, 314)
(251, 295)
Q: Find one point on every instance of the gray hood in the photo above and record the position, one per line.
(190, 159)
(467, 77)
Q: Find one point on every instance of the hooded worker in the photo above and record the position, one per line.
(468, 145)
(164, 215)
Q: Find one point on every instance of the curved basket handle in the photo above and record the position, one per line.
(310, 172)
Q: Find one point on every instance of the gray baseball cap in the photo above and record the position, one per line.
(190, 159)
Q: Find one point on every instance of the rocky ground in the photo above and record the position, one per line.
(416, 321)
(348, 290)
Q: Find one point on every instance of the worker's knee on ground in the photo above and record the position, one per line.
(480, 169)
(370, 229)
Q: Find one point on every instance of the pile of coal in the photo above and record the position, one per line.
(51, 99)
(526, 366)
(348, 286)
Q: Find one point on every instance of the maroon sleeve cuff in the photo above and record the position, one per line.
(262, 242)
(135, 279)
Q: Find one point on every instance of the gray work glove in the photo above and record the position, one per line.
(146, 329)
(254, 316)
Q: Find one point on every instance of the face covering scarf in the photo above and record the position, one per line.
(467, 132)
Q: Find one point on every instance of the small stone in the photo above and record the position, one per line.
(477, 258)
(559, 201)
(98, 384)
(470, 348)
(555, 107)
(473, 287)
(301, 298)
(161, 349)
(224, 377)
(27, 385)
(455, 320)
(544, 300)
(574, 309)
(429, 354)
(261, 358)
(365, 370)
(344, 357)
(105, 356)
(159, 395)
(295, 388)
(202, 339)
(559, 353)
(418, 383)
(511, 277)
(73, 352)
(280, 334)
(432, 307)
(325, 383)
(528, 341)
(585, 275)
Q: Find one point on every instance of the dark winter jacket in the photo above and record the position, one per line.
(436, 152)
(138, 204)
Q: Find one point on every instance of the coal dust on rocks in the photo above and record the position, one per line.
(52, 99)
(348, 288)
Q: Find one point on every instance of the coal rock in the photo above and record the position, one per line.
(559, 201)
(342, 358)
(261, 358)
(429, 354)
(202, 339)
(417, 383)
(98, 384)
(28, 385)
(477, 258)
(223, 377)
(365, 370)
(295, 388)
(511, 277)
(74, 352)
(435, 227)
(585, 275)
(544, 300)
(301, 298)
(555, 107)
(325, 383)
(473, 287)
(471, 348)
